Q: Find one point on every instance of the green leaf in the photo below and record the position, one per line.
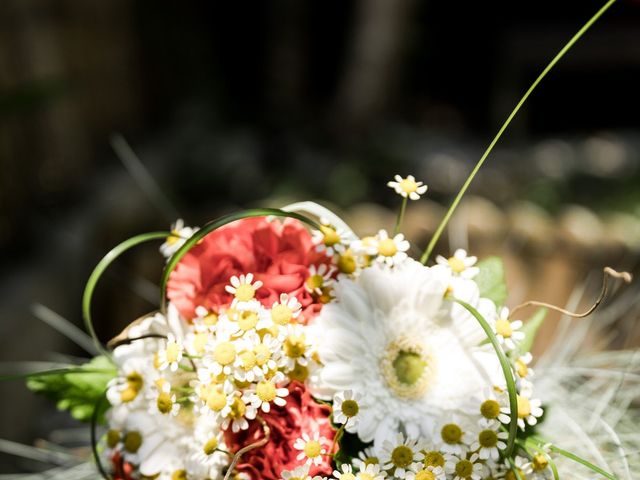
(491, 281)
(79, 390)
(530, 329)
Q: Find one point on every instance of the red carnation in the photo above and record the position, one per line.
(301, 414)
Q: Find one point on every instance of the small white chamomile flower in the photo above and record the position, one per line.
(462, 468)
(243, 288)
(299, 473)
(267, 392)
(366, 457)
(408, 187)
(508, 332)
(319, 278)
(523, 370)
(538, 467)
(371, 472)
(460, 264)
(178, 236)
(166, 403)
(286, 310)
(346, 406)
(401, 455)
(490, 440)
(329, 239)
(237, 412)
(312, 448)
(345, 472)
(430, 473)
(529, 409)
(391, 251)
(493, 404)
(453, 438)
(171, 355)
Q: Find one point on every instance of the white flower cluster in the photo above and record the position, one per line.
(184, 383)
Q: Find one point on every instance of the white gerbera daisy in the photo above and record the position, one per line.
(507, 332)
(408, 187)
(178, 236)
(391, 251)
(460, 263)
(391, 336)
(312, 448)
(401, 455)
(346, 407)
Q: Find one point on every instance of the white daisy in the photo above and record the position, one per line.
(205, 320)
(171, 355)
(243, 288)
(319, 278)
(370, 472)
(430, 473)
(391, 251)
(408, 187)
(345, 472)
(463, 468)
(529, 409)
(330, 239)
(508, 332)
(286, 310)
(236, 413)
(312, 448)
(453, 436)
(492, 404)
(460, 263)
(366, 246)
(366, 457)
(267, 392)
(522, 368)
(490, 440)
(178, 236)
(346, 406)
(391, 336)
(165, 403)
(538, 468)
(401, 455)
(300, 473)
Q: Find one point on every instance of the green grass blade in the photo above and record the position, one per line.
(506, 370)
(582, 461)
(97, 274)
(465, 186)
(56, 371)
(214, 225)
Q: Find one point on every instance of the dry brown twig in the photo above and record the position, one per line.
(260, 443)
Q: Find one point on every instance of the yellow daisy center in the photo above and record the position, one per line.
(248, 359)
(210, 319)
(524, 407)
(451, 433)
(132, 441)
(238, 408)
(366, 476)
(281, 314)
(200, 341)
(172, 352)
(331, 237)
(128, 394)
(295, 346)
(347, 262)
(521, 368)
(299, 373)
(164, 402)
(179, 475)
(464, 468)
(425, 475)
(512, 476)
(216, 400)
(312, 449)
(266, 391)
(245, 292)
(387, 247)
(539, 462)
(490, 409)
(347, 476)
(173, 237)
(350, 408)
(408, 186)
(224, 353)
(456, 264)
(210, 446)
(135, 381)
(503, 327)
(263, 354)
(113, 437)
(401, 456)
(488, 438)
(433, 459)
(247, 320)
(315, 281)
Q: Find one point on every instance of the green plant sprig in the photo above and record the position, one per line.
(465, 186)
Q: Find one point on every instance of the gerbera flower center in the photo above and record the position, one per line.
(488, 438)
(387, 247)
(490, 409)
(350, 408)
(406, 367)
(401, 456)
(524, 407)
(464, 468)
(312, 448)
(434, 459)
(451, 433)
(503, 327)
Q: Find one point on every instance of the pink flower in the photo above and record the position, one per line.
(300, 415)
(278, 253)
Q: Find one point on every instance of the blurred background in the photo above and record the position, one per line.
(237, 104)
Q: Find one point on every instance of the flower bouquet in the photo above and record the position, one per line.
(287, 347)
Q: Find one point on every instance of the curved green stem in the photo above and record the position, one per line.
(465, 186)
(400, 218)
(506, 370)
(97, 274)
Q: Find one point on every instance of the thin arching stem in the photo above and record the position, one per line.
(465, 186)
(607, 272)
(260, 443)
